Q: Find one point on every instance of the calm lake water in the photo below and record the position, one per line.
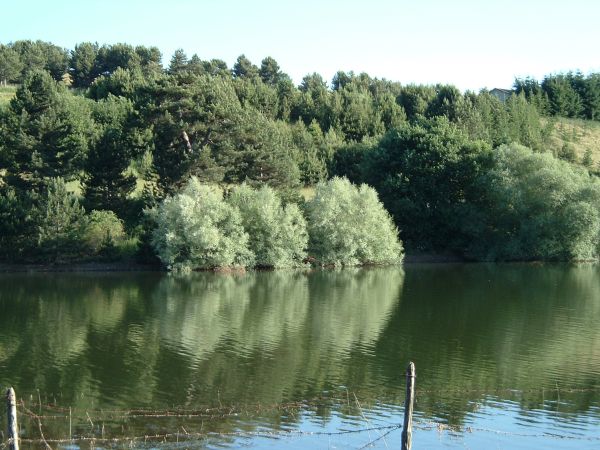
(507, 356)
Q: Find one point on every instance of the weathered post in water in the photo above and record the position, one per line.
(11, 414)
(408, 406)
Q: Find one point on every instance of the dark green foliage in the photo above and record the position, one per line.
(568, 95)
(46, 132)
(270, 72)
(10, 65)
(17, 224)
(129, 123)
(587, 160)
(216, 68)
(41, 55)
(534, 94)
(313, 103)
(112, 57)
(188, 122)
(251, 91)
(424, 173)
(195, 65)
(591, 97)
(243, 68)
(83, 63)
(259, 151)
(179, 62)
(61, 222)
(567, 152)
(349, 161)
(524, 126)
(415, 100)
(564, 100)
(107, 185)
(448, 102)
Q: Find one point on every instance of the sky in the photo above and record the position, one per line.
(472, 44)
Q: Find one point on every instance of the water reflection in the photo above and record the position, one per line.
(488, 329)
(484, 338)
(126, 340)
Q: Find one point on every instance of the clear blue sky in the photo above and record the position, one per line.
(470, 43)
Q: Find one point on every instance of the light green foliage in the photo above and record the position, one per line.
(524, 123)
(61, 221)
(278, 235)
(357, 115)
(535, 206)
(252, 92)
(103, 228)
(349, 226)
(197, 229)
(312, 166)
(121, 82)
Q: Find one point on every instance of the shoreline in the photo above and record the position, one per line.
(128, 266)
(120, 266)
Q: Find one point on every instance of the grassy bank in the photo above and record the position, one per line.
(573, 138)
(6, 93)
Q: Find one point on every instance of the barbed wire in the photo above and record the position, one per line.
(417, 425)
(319, 400)
(339, 399)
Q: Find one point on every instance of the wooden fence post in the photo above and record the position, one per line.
(408, 407)
(11, 414)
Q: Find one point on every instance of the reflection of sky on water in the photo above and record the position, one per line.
(497, 425)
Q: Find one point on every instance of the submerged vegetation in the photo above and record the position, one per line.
(218, 158)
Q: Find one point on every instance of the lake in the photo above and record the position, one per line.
(506, 356)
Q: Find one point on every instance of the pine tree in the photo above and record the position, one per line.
(10, 65)
(178, 63)
(107, 184)
(61, 221)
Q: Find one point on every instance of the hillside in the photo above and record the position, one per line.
(6, 93)
(572, 138)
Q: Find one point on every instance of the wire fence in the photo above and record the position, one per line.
(48, 425)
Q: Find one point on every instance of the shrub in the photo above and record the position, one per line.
(277, 234)
(103, 231)
(535, 207)
(197, 229)
(348, 225)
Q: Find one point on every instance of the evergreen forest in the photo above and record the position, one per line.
(109, 154)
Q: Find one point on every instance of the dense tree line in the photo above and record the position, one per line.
(566, 95)
(107, 133)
